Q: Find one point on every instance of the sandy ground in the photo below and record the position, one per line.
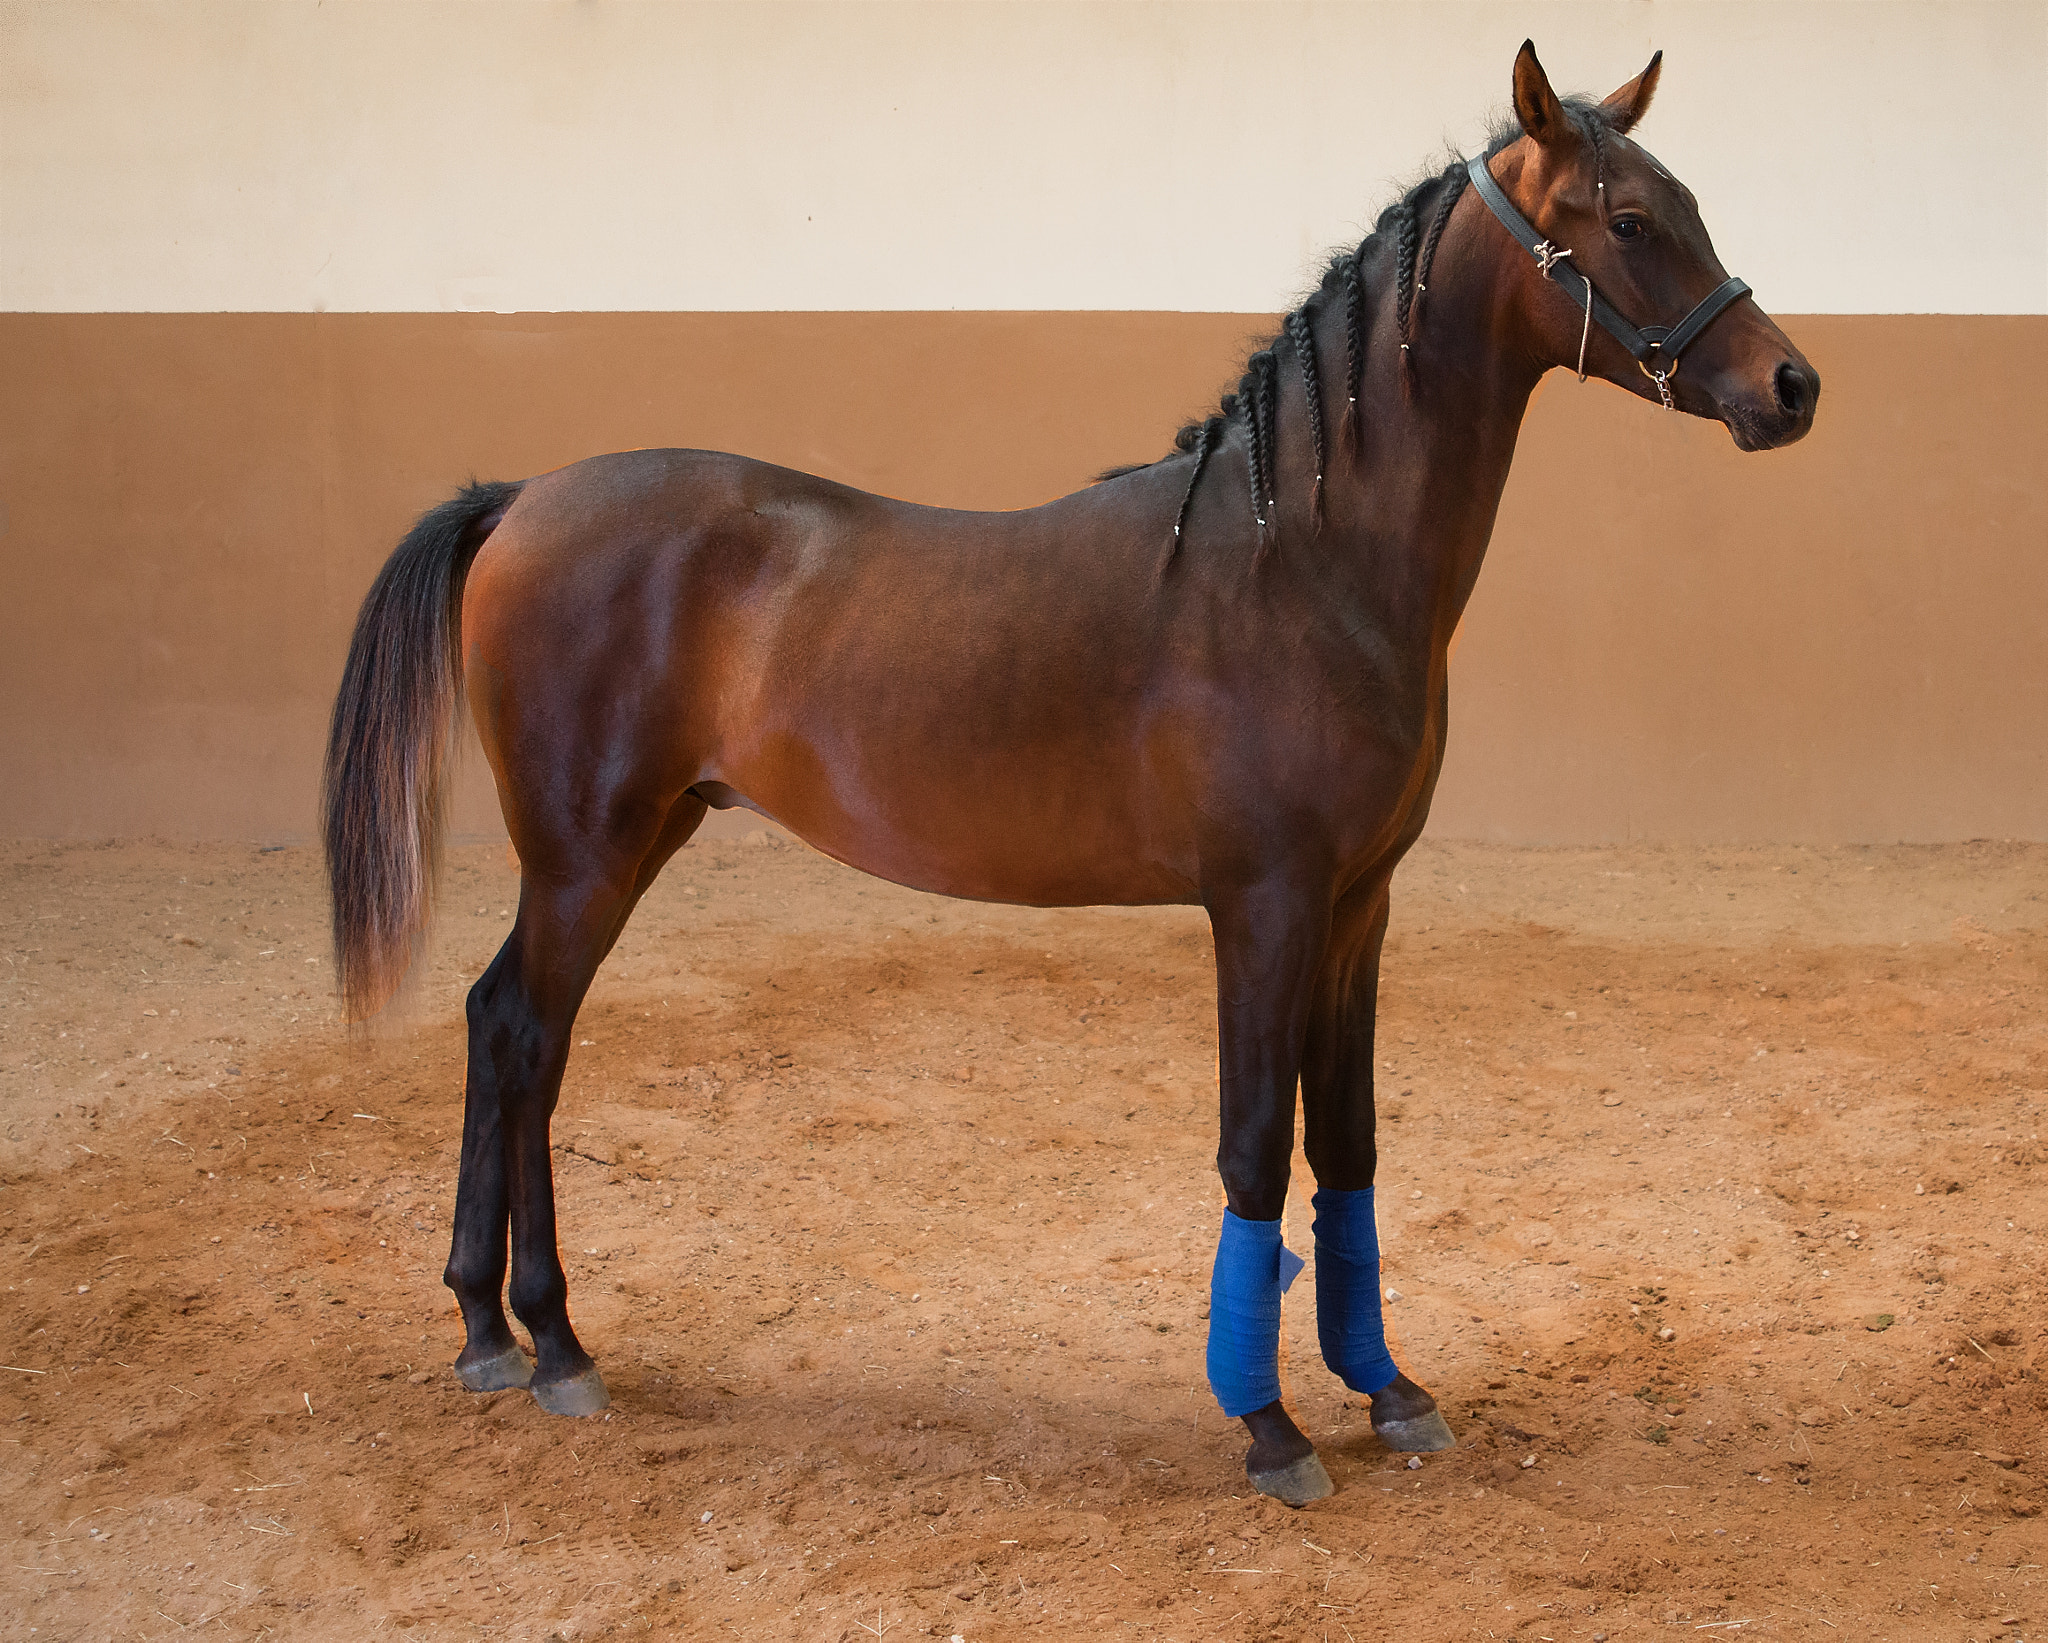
(1712, 1190)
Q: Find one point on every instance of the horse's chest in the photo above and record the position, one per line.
(1381, 768)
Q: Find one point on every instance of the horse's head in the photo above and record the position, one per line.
(1633, 230)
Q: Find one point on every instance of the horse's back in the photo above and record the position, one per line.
(621, 505)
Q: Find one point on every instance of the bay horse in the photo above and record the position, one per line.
(1217, 679)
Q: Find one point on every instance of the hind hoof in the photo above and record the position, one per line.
(582, 1394)
(509, 1368)
(1297, 1484)
(1418, 1435)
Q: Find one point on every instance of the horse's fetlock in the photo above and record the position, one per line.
(471, 1284)
(539, 1303)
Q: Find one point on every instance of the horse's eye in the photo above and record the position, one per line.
(1626, 228)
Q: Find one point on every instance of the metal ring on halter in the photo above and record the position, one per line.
(1661, 378)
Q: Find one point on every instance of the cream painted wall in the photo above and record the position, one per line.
(229, 155)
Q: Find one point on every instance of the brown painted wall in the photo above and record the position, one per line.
(1671, 641)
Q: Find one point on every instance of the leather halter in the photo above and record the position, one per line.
(1655, 348)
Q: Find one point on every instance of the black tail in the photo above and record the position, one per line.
(385, 783)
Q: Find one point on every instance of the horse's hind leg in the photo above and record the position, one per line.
(1338, 1136)
(491, 1359)
(573, 903)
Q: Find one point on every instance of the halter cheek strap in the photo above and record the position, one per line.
(1655, 348)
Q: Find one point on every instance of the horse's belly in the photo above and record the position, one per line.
(952, 842)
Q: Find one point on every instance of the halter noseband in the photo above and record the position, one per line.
(1662, 343)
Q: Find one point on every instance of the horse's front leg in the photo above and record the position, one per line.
(1338, 1136)
(1269, 945)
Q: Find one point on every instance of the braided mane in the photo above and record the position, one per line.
(1254, 404)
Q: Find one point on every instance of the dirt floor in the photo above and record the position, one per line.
(1712, 1197)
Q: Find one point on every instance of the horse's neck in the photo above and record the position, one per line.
(1412, 508)
(1454, 454)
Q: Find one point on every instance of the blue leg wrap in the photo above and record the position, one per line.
(1253, 1269)
(1348, 1291)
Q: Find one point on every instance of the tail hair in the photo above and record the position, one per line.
(384, 786)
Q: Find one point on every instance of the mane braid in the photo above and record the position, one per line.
(1269, 447)
(1349, 430)
(1454, 188)
(1302, 335)
(1404, 282)
(1257, 398)
(1203, 441)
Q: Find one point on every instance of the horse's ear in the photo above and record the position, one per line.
(1536, 105)
(1628, 105)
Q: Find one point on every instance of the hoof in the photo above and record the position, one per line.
(1296, 1484)
(582, 1394)
(510, 1367)
(1418, 1435)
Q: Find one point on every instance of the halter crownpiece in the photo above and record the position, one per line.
(1655, 348)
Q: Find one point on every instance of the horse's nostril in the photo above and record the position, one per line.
(1793, 393)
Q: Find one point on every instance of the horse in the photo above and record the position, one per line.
(1214, 679)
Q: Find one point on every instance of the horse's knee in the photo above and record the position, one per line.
(1346, 1163)
(1338, 1134)
(1255, 1178)
(1255, 1194)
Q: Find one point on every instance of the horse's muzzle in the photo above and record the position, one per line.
(1784, 417)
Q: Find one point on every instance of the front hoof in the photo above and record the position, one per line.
(1405, 1419)
(1419, 1435)
(508, 1368)
(1295, 1485)
(581, 1394)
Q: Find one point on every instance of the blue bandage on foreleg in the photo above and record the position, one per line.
(1253, 1269)
(1348, 1317)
